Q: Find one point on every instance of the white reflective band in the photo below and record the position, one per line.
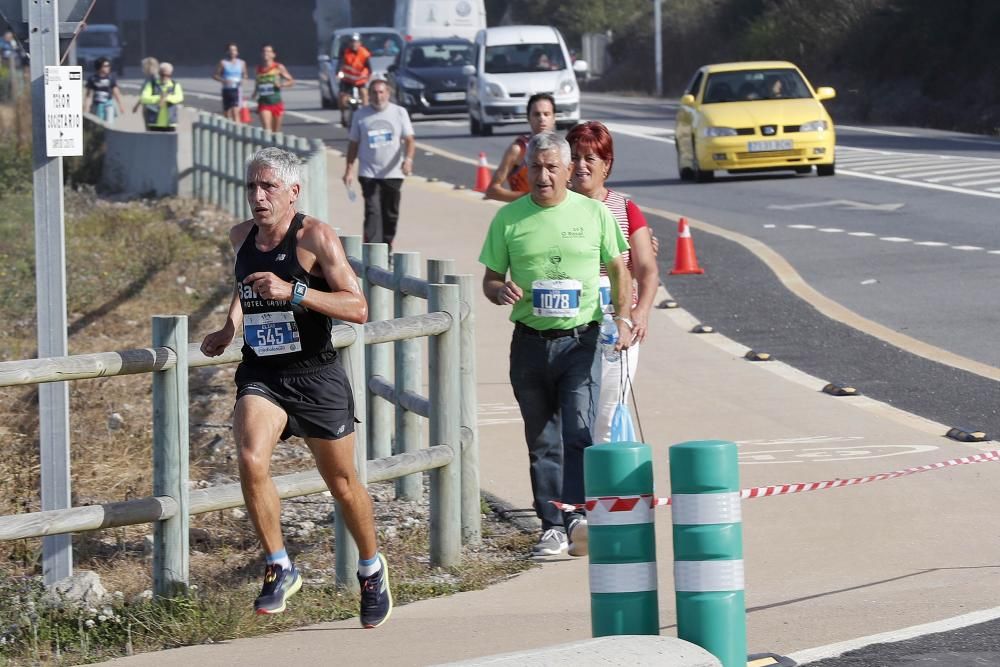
(622, 577)
(700, 576)
(692, 509)
(617, 511)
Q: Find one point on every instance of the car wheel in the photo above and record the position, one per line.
(473, 126)
(826, 169)
(565, 125)
(685, 173)
(803, 170)
(485, 130)
(700, 175)
(326, 103)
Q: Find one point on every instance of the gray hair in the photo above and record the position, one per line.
(166, 68)
(286, 166)
(547, 141)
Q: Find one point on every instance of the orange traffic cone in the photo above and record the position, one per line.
(482, 174)
(685, 260)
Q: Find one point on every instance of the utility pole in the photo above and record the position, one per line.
(658, 45)
(50, 290)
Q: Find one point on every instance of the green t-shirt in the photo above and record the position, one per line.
(554, 255)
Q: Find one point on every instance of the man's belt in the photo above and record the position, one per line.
(524, 329)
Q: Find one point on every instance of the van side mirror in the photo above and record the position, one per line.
(468, 70)
(580, 67)
(688, 99)
(825, 93)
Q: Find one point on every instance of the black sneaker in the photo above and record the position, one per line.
(279, 585)
(376, 598)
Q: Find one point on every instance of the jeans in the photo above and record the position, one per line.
(556, 382)
(381, 208)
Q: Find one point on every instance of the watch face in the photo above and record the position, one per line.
(300, 289)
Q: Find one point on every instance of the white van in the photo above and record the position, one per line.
(418, 19)
(512, 64)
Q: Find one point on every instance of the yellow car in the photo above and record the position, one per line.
(753, 116)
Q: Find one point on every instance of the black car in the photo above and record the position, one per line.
(427, 76)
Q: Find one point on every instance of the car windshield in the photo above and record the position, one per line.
(438, 55)
(100, 40)
(512, 58)
(755, 84)
(378, 44)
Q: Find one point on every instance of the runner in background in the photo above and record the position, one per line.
(593, 154)
(102, 95)
(271, 78)
(541, 118)
(231, 72)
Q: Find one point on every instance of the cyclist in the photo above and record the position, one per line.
(355, 68)
(102, 92)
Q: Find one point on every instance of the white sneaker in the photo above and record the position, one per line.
(551, 543)
(578, 542)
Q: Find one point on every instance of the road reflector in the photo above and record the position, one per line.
(835, 389)
(963, 435)
(703, 328)
(666, 303)
(753, 355)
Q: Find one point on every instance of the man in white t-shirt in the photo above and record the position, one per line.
(381, 139)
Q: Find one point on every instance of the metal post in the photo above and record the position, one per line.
(246, 152)
(437, 269)
(409, 373)
(307, 200)
(214, 168)
(346, 548)
(658, 44)
(378, 358)
(471, 508)
(196, 139)
(708, 548)
(445, 410)
(50, 291)
(352, 247)
(319, 176)
(231, 168)
(170, 458)
(618, 480)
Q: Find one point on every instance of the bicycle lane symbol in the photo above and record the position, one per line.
(830, 454)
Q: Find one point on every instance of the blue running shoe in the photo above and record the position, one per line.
(279, 585)
(376, 598)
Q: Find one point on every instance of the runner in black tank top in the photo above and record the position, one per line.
(288, 337)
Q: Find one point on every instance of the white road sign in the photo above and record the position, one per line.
(63, 110)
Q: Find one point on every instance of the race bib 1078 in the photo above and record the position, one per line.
(556, 298)
(271, 333)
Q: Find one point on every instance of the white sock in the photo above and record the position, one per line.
(280, 558)
(367, 568)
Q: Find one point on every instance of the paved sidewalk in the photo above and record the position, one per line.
(821, 567)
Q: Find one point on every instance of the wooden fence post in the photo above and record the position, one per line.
(409, 372)
(170, 458)
(445, 412)
(346, 548)
(378, 358)
(471, 508)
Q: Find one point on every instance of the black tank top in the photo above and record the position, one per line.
(278, 334)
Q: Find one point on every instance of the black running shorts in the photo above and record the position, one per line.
(230, 98)
(318, 401)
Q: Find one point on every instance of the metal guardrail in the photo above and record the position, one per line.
(451, 455)
(221, 149)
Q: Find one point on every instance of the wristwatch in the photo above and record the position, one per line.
(625, 320)
(298, 292)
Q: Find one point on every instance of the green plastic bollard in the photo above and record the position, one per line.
(708, 548)
(618, 479)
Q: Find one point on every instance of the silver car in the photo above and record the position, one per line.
(383, 43)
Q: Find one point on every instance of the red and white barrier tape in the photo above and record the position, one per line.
(609, 502)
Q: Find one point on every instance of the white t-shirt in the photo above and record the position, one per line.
(380, 140)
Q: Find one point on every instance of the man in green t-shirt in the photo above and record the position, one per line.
(552, 243)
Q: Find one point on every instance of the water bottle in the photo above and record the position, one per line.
(351, 194)
(608, 338)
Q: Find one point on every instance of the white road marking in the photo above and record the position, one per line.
(920, 184)
(830, 230)
(894, 239)
(872, 130)
(963, 172)
(860, 234)
(931, 244)
(986, 182)
(966, 247)
(803, 440)
(945, 625)
(830, 454)
(839, 203)
(642, 131)
(802, 226)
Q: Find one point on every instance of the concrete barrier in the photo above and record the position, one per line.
(631, 650)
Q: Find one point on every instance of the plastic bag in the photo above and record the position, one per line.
(622, 429)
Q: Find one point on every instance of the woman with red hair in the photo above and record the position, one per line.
(593, 154)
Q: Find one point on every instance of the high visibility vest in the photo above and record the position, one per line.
(354, 65)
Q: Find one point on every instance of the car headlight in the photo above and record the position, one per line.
(814, 126)
(409, 82)
(494, 90)
(567, 86)
(719, 132)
